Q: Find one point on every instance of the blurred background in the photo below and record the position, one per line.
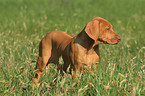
(23, 23)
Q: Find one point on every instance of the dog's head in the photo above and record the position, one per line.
(100, 30)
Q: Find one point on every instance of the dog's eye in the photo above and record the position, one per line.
(107, 28)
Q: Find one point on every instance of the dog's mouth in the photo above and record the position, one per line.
(107, 42)
(114, 43)
(116, 40)
(103, 41)
(110, 40)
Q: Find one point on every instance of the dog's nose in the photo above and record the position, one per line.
(118, 37)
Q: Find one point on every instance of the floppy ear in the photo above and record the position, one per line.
(92, 29)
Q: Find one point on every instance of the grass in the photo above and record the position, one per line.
(23, 23)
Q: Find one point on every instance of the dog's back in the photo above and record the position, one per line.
(55, 42)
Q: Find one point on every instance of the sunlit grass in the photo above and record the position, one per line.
(23, 23)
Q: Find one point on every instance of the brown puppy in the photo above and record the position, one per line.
(78, 52)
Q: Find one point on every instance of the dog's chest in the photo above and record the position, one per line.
(87, 57)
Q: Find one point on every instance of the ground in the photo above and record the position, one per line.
(23, 23)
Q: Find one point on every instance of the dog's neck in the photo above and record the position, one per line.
(83, 39)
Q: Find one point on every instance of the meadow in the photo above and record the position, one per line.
(23, 23)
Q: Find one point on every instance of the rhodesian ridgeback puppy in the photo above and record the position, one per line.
(78, 52)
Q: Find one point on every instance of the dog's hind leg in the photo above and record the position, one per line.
(44, 56)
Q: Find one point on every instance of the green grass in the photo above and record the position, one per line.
(23, 23)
